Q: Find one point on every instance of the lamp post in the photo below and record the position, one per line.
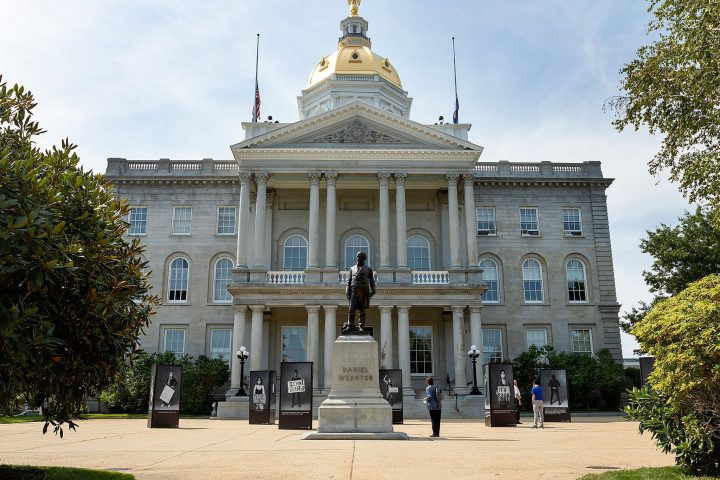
(474, 353)
(242, 355)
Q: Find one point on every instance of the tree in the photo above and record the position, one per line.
(681, 255)
(74, 296)
(673, 88)
(682, 407)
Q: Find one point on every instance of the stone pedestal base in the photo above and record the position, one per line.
(355, 436)
(473, 406)
(234, 408)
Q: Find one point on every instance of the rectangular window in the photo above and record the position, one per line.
(182, 220)
(529, 221)
(581, 340)
(294, 344)
(421, 351)
(175, 341)
(137, 220)
(492, 345)
(537, 337)
(485, 220)
(572, 224)
(221, 343)
(226, 221)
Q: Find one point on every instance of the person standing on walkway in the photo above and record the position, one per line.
(537, 403)
(434, 405)
(518, 402)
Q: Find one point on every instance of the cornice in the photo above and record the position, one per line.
(385, 291)
(339, 154)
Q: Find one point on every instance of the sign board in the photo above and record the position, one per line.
(164, 405)
(391, 390)
(499, 396)
(262, 397)
(556, 401)
(296, 395)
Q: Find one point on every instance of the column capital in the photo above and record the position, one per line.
(468, 178)
(452, 178)
(475, 309)
(312, 308)
(403, 309)
(244, 177)
(240, 308)
(385, 308)
(261, 177)
(458, 308)
(257, 308)
(269, 197)
(331, 177)
(383, 178)
(330, 308)
(443, 196)
(400, 178)
(314, 178)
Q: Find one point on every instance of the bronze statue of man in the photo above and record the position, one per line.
(360, 287)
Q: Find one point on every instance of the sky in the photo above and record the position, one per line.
(175, 78)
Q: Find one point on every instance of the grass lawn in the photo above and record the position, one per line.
(87, 416)
(664, 473)
(14, 472)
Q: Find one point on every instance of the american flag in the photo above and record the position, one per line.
(256, 105)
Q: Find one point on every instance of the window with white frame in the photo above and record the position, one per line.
(174, 341)
(485, 220)
(581, 339)
(178, 280)
(572, 224)
(222, 277)
(418, 253)
(421, 351)
(294, 344)
(537, 337)
(492, 345)
(226, 220)
(295, 253)
(221, 343)
(532, 281)
(137, 220)
(353, 245)
(576, 281)
(490, 277)
(182, 220)
(529, 221)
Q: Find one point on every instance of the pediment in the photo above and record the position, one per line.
(358, 126)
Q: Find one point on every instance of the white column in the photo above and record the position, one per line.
(237, 342)
(330, 336)
(476, 339)
(454, 221)
(314, 223)
(260, 214)
(383, 179)
(256, 337)
(330, 214)
(459, 350)
(401, 220)
(470, 220)
(404, 344)
(386, 345)
(243, 217)
(269, 198)
(313, 340)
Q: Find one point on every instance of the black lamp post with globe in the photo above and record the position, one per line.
(474, 353)
(242, 355)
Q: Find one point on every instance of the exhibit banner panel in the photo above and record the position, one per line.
(499, 398)
(647, 364)
(556, 400)
(164, 405)
(392, 390)
(262, 397)
(296, 395)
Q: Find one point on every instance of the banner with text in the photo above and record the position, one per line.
(499, 396)
(262, 397)
(295, 395)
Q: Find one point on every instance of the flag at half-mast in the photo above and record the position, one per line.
(456, 113)
(256, 104)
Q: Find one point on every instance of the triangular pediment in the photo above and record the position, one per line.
(358, 126)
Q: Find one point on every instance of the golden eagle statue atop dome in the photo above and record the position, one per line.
(354, 4)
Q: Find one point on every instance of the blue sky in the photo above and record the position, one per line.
(175, 78)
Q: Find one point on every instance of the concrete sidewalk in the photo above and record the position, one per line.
(214, 450)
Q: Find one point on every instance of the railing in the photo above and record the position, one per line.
(224, 166)
(142, 165)
(486, 167)
(343, 277)
(185, 165)
(430, 278)
(285, 278)
(524, 167)
(567, 167)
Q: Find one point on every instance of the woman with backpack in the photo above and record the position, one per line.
(434, 404)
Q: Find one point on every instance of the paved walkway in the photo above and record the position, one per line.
(214, 450)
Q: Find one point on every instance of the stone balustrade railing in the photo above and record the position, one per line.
(430, 278)
(285, 278)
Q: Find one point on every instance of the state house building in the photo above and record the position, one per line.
(254, 251)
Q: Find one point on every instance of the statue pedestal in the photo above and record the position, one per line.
(355, 409)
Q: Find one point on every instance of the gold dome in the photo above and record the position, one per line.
(354, 60)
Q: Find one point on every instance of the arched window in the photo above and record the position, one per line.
(222, 277)
(295, 253)
(353, 245)
(532, 281)
(178, 280)
(418, 253)
(490, 277)
(576, 281)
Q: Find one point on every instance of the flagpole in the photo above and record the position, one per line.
(456, 113)
(255, 96)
